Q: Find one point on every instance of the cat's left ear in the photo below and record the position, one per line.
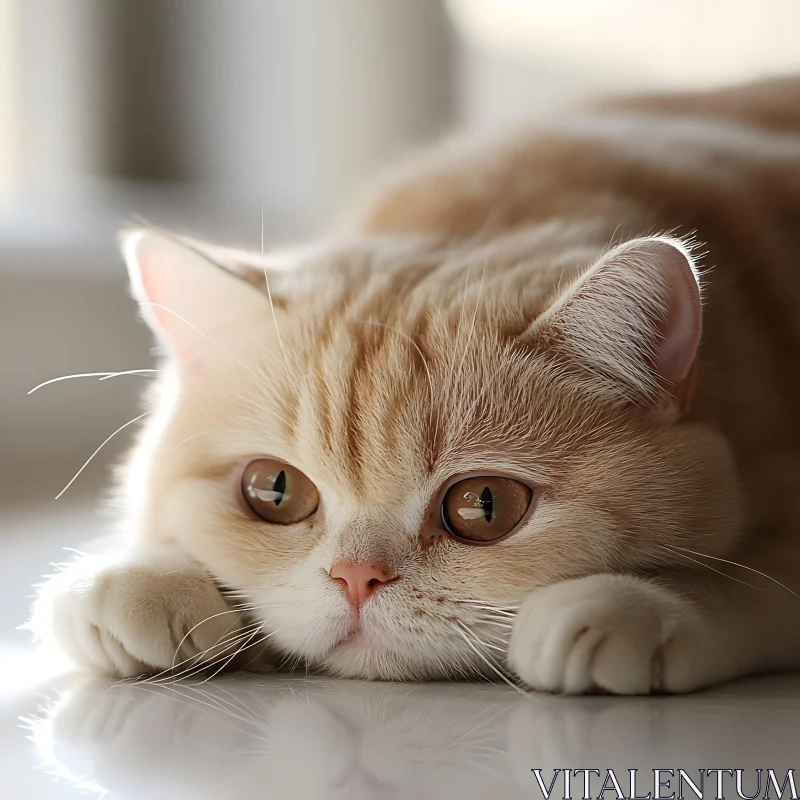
(631, 324)
(195, 305)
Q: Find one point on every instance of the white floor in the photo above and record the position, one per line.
(288, 737)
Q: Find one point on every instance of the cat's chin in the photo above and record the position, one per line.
(356, 657)
(362, 655)
(369, 646)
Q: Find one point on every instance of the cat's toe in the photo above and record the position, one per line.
(129, 620)
(604, 632)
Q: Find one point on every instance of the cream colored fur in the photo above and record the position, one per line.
(503, 307)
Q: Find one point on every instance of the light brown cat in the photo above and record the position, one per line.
(487, 428)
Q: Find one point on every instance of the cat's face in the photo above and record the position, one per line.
(390, 380)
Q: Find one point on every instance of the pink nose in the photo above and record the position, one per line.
(360, 580)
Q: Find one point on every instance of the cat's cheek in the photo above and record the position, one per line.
(307, 618)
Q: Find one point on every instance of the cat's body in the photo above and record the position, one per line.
(459, 328)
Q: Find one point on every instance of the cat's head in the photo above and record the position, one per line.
(390, 447)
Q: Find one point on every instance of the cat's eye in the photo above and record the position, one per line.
(277, 492)
(485, 508)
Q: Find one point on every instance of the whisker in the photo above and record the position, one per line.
(743, 566)
(105, 442)
(191, 672)
(489, 635)
(226, 640)
(707, 566)
(482, 604)
(247, 365)
(488, 621)
(246, 644)
(104, 376)
(496, 611)
(202, 660)
(494, 647)
(194, 436)
(129, 372)
(459, 628)
(272, 309)
(197, 625)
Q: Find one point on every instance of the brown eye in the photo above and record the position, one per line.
(278, 492)
(483, 509)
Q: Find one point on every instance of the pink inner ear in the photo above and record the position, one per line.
(159, 295)
(682, 326)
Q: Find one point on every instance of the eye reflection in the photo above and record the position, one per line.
(278, 493)
(485, 508)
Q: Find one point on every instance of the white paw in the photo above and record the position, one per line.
(138, 617)
(613, 633)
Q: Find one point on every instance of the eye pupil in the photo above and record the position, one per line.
(277, 492)
(482, 509)
(279, 486)
(486, 503)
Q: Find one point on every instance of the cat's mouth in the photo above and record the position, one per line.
(360, 631)
(354, 631)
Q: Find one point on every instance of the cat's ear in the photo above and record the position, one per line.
(632, 322)
(194, 304)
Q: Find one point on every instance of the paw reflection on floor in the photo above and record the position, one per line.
(316, 738)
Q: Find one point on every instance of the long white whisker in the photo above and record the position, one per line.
(201, 661)
(489, 635)
(194, 436)
(129, 372)
(197, 625)
(489, 621)
(272, 309)
(706, 566)
(498, 611)
(458, 628)
(228, 639)
(245, 645)
(206, 665)
(505, 609)
(88, 460)
(494, 647)
(249, 366)
(743, 566)
(104, 376)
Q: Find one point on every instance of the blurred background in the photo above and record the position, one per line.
(197, 113)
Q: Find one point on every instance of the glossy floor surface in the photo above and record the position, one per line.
(291, 737)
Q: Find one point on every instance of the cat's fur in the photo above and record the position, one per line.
(501, 306)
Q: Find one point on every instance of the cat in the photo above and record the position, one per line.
(529, 413)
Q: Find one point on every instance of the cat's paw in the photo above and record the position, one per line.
(613, 633)
(136, 618)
